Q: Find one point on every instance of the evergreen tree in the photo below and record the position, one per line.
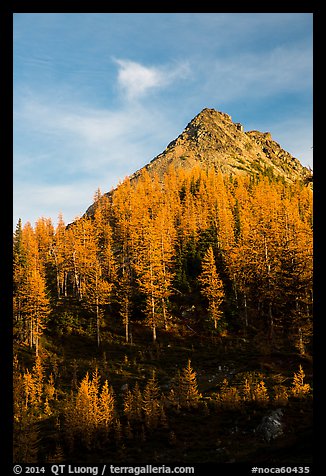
(90, 415)
(59, 252)
(19, 278)
(300, 389)
(34, 307)
(106, 407)
(152, 402)
(229, 396)
(124, 293)
(212, 287)
(97, 294)
(188, 389)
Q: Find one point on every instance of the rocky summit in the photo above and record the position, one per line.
(213, 139)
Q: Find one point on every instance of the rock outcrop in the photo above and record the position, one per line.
(271, 426)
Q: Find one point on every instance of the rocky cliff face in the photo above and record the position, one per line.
(213, 139)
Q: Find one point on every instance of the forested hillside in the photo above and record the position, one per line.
(185, 300)
(220, 255)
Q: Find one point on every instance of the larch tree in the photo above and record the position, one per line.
(97, 294)
(189, 395)
(236, 259)
(154, 271)
(44, 234)
(19, 276)
(106, 404)
(59, 252)
(145, 268)
(124, 293)
(152, 402)
(266, 234)
(223, 219)
(150, 249)
(124, 239)
(166, 238)
(133, 404)
(212, 287)
(31, 301)
(82, 253)
(101, 273)
(295, 275)
(36, 307)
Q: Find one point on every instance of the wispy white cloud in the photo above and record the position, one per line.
(98, 96)
(135, 79)
(98, 134)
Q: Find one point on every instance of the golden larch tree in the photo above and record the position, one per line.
(212, 287)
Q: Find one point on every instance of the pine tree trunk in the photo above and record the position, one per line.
(153, 305)
(271, 321)
(245, 310)
(65, 283)
(164, 314)
(235, 291)
(153, 319)
(57, 274)
(97, 322)
(127, 324)
(270, 312)
(126, 314)
(77, 284)
(36, 336)
(31, 333)
(301, 344)
(58, 285)
(97, 310)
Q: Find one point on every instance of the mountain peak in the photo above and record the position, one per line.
(211, 114)
(208, 124)
(212, 139)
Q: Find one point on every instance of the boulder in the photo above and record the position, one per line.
(271, 426)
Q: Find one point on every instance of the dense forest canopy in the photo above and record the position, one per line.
(222, 254)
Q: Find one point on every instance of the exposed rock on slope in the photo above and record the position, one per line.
(212, 139)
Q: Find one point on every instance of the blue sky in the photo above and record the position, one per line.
(97, 96)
